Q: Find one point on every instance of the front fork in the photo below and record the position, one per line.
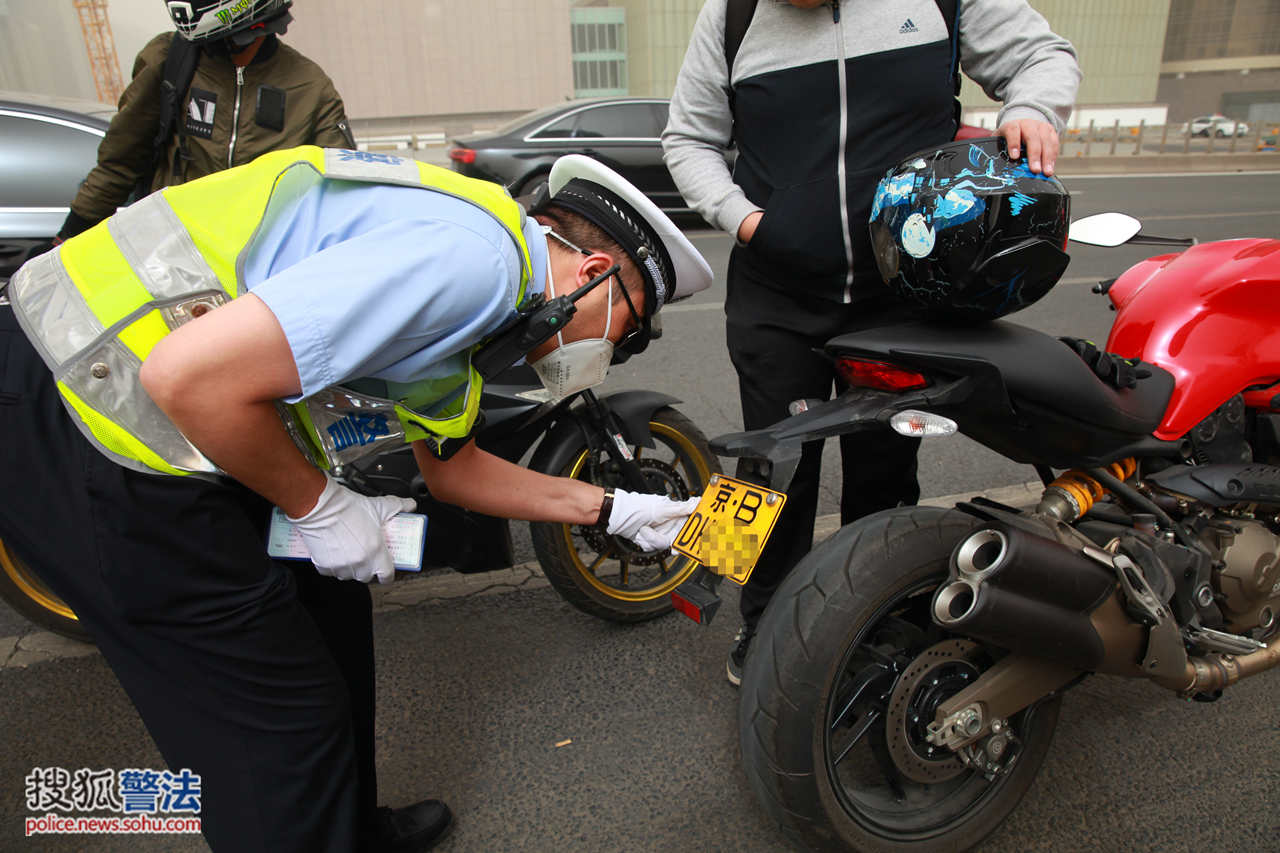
(603, 434)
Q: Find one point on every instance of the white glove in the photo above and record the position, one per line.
(344, 533)
(650, 521)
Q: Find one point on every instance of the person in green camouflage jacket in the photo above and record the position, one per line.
(250, 94)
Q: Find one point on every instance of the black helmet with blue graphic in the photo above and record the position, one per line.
(964, 234)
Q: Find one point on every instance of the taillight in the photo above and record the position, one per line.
(462, 155)
(878, 375)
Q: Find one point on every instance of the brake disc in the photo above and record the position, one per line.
(660, 478)
(936, 674)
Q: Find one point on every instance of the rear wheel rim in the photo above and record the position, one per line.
(870, 788)
(631, 582)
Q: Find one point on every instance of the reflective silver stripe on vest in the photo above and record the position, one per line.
(107, 379)
(366, 166)
(51, 310)
(160, 250)
(96, 366)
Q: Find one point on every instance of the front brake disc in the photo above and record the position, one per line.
(658, 475)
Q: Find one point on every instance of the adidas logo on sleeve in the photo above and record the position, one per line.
(908, 27)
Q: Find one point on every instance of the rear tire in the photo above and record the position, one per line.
(531, 184)
(28, 595)
(811, 719)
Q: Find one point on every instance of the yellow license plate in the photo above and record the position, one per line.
(730, 526)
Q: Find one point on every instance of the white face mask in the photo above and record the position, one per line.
(578, 365)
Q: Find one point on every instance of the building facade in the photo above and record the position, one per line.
(459, 65)
(442, 67)
(42, 50)
(599, 37)
(1120, 47)
(658, 35)
(1222, 56)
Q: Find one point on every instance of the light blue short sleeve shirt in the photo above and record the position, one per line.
(390, 282)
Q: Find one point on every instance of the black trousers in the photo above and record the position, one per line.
(772, 334)
(255, 674)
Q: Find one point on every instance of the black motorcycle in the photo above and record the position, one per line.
(633, 440)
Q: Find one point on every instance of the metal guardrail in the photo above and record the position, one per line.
(1166, 139)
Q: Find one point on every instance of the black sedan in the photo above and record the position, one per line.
(623, 133)
(47, 146)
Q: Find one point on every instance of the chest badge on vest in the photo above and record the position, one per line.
(200, 111)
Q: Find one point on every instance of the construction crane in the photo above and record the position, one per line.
(102, 49)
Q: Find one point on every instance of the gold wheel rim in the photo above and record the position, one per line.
(681, 566)
(31, 586)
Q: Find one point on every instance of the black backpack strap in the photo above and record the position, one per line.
(950, 10)
(179, 71)
(737, 18)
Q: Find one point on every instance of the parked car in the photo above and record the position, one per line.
(1217, 124)
(623, 133)
(47, 146)
(969, 131)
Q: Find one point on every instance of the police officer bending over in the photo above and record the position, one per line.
(172, 372)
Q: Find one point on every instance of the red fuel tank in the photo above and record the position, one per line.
(1211, 317)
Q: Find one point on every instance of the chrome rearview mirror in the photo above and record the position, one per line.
(1105, 229)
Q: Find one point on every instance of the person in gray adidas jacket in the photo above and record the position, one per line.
(822, 98)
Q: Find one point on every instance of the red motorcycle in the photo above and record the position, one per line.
(906, 679)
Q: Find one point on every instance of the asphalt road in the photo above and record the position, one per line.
(475, 693)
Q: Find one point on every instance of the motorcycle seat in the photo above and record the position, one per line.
(1035, 367)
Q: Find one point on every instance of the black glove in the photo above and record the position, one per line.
(1115, 371)
(74, 224)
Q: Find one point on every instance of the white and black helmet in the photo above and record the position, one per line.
(241, 20)
(672, 269)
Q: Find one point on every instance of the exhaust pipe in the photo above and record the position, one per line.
(1034, 595)
(1215, 672)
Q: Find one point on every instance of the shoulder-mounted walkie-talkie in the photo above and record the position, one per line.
(538, 319)
(537, 322)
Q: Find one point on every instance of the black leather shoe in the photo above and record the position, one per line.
(410, 829)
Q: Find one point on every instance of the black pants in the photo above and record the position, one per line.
(772, 334)
(254, 674)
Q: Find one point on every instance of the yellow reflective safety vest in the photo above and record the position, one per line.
(95, 307)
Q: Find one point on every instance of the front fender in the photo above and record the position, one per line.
(633, 409)
(566, 439)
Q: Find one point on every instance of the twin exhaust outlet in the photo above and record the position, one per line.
(1076, 607)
